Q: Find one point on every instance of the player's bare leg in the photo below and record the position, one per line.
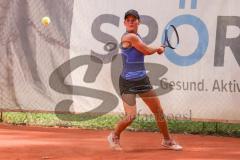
(129, 103)
(153, 102)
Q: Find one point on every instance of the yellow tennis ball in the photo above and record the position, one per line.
(46, 20)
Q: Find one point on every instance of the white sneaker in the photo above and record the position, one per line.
(171, 144)
(113, 141)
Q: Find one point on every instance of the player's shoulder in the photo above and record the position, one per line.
(129, 36)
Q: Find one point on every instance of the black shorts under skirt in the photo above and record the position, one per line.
(134, 86)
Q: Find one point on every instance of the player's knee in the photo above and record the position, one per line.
(130, 118)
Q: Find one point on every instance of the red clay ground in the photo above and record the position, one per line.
(37, 143)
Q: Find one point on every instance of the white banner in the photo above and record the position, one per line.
(204, 71)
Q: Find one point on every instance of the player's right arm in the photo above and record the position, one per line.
(137, 43)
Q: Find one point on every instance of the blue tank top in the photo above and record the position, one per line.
(133, 63)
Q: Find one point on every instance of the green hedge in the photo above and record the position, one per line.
(141, 123)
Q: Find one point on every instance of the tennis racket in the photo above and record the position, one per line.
(171, 37)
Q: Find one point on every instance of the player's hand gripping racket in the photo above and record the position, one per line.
(171, 37)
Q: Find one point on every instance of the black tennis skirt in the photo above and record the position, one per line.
(134, 86)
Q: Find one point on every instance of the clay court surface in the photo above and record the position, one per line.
(36, 143)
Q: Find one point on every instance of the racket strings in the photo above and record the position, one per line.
(172, 37)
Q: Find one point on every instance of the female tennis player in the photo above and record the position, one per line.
(134, 76)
